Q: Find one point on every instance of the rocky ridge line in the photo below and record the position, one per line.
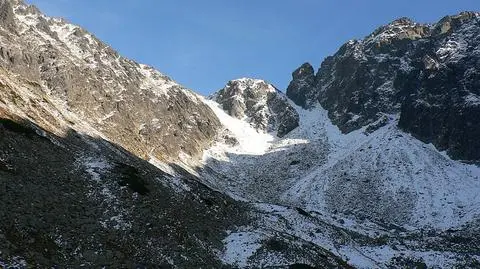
(428, 74)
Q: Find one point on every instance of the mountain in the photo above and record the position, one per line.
(264, 106)
(96, 156)
(426, 73)
(131, 104)
(355, 159)
(79, 125)
(105, 162)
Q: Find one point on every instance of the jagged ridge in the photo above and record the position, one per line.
(131, 104)
(425, 73)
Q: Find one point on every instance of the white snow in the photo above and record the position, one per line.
(65, 34)
(239, 247)
(155, 81)
(323, 231)
(452, 50)
(447, 190)
(472, 99)
(95, 167)
(445, 193)
(250, 141)
(376, 257)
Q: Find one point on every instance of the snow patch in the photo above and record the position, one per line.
(155, 81)
(95, 167)
(250, 141)
(239, 247)
(452, 50)
(472, 100)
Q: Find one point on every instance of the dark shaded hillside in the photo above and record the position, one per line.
(78, 200)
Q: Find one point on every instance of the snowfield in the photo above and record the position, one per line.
(369, 181)
(250, 141)
(327, 170)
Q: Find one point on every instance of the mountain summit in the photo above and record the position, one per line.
(261, 103)
(131, 104)
(427, 74)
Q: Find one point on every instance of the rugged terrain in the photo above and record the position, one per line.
(380, 126)
(428, 74)
(108, 163)
(133, 105)
(94, 154)
(260, 104)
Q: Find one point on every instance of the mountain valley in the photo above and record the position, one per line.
(370, 162)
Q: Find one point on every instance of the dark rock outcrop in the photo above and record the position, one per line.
(261, 103)
(428, 74)
(301, 89)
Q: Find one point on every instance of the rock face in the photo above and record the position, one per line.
(260, 102)
(6, 14)
(77, 124)
(426, 73)
(131, 104)
(445, 108)
(301, 90)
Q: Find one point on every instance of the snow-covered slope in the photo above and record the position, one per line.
(386, 175)
(240, 136)
(391, 177)
(371, 180)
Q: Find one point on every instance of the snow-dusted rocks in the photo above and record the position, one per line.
(424, 72)
(259, 103)
(382, 183)
(131, 104)
(76, 200)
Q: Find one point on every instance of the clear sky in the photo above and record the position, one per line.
(204, 43)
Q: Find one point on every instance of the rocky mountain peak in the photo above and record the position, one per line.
(241, 93)
(24, 9)
(400, 29)
(423, 73)
(258, 102)
(253, 86)
(128, 103)
(450, 23)
(300, 88)
(303, 71)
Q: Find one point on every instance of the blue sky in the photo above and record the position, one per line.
(203, 44)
